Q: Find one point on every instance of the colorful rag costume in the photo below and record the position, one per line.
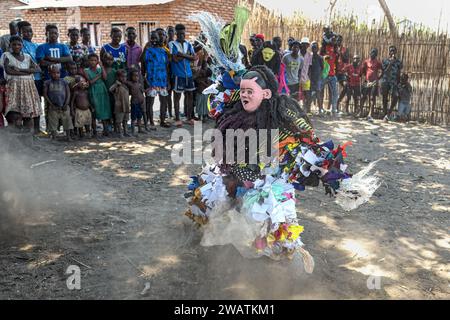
(252, 204)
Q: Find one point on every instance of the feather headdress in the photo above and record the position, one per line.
(223, 39)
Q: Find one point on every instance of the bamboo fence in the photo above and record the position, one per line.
(425, 54)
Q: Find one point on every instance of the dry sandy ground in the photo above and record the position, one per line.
(115, 208)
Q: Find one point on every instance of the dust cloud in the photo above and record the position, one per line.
(34, 186)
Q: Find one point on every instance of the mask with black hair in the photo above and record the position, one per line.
(254, 90)
(265, 78)
(261, 107)
(258, 84)
(259, 99)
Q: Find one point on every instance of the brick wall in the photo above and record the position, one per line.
(7, 15)
(183, 8)
(39, 18)
(131, 16)
(164, 14)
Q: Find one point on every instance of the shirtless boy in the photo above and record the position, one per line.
(80, 106)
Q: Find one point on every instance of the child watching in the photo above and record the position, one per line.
(182, 54)
(72, 68)
(80, 106)
(353, 72)
(30, 47)
(315, 72)
(134, 51)
(155, 63)
(52, 52)
(98, 94)
(137, 100)
(57, 96)
(108, 62)
(77, 51)
(323, 83)
(121, 103)
(405, 93)
(116, 49)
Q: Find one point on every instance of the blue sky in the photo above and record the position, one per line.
(370, 9)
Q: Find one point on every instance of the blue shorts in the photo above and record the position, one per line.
(404, 108)
(341, 77)
(389, 88)
(316, 85)
(181, 84)
(136, 111)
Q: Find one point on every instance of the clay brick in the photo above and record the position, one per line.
(7, 14)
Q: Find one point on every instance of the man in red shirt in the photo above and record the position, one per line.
(353, 72)
(371, 70)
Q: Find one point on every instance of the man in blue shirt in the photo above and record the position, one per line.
(182, 54)
(53, 52)
(392, 68)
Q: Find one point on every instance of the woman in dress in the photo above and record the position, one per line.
(23, 103)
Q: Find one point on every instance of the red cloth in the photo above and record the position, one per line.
(353, 75)
(341, 64)
(342, 149)
(370, 69)
(282, 85)
(340, 68)
(260, 36)
(329, 51)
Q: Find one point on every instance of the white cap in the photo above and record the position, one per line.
(305, 40)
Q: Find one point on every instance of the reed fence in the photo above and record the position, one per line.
(425, 53)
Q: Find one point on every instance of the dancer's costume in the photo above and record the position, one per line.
(253, 207)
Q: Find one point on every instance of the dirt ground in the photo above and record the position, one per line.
(115, 208)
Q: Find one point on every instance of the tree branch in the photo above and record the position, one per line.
(392, 25)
